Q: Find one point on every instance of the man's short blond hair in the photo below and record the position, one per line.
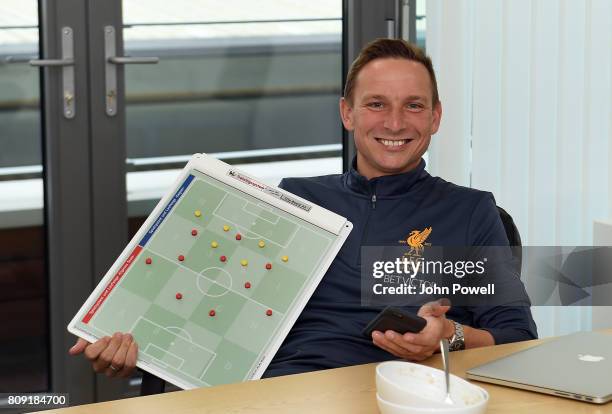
(389, 48)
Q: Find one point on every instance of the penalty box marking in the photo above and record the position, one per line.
(212, 353)
(257, 235)
(162, 363)
(180, 360)
(269, 208)
(239, 226)
(216, 214)
(274, 223)
(215, 282)
(226, 193)
(179, 329)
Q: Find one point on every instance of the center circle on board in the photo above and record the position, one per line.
(219, 279)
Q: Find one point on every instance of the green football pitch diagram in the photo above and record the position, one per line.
(209, 285)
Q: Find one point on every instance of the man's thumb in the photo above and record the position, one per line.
(437, 308)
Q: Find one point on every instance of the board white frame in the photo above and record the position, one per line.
(281, 199)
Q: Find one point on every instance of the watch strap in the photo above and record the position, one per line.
(457, 341)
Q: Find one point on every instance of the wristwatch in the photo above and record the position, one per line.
(457, 341)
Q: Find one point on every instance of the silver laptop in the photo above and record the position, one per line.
(577, 366)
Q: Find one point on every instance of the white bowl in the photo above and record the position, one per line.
(418, 386)
(387, 407)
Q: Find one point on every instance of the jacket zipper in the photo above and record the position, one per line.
(364, 237)
(373, 207)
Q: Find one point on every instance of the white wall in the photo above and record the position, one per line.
(526, 88)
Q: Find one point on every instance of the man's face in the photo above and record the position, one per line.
(392, 116)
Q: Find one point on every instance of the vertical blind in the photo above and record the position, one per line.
(526, 89)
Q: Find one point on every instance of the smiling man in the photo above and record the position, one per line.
(391, 104)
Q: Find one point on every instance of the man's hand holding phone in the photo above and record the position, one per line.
(418, 346)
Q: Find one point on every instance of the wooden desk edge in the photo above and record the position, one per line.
(348, 389)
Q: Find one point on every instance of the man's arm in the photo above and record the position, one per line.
(492, 324)
(417, 347)
(506, 323)
(476, 337)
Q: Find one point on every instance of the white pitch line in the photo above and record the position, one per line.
(296, 228)
(163, 224)
(259, 236)
(189, 338)
(293, 235)
(103, 305)
(213, 281)
(181, 360)
(240, 196)
(265, 206)
(298, 225)
(179, 378)
(225, 194)
(244, 199)
(102, 330)
(212, 353)
(166, 329)
(240, 226)
(206, 368)
(220, 202)
(274, 223)
(160, 363)
(131, 330)
(280, 326)
(244, 233)
(201, 274)
(246, 202)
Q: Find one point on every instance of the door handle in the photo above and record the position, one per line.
(111, 62)
(17, 59)
(67, 65)
(52, 62)
(128, 60)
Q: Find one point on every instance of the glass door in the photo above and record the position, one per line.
(124, 93)
(24, 359)
(255, 84)
(45, 206)
(119, 97)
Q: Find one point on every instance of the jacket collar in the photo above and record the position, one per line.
(387, 185)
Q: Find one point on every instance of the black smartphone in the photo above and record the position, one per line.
(394, 319)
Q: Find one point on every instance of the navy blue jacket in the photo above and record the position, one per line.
(385, 209)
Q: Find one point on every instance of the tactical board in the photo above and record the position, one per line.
(213, 281)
